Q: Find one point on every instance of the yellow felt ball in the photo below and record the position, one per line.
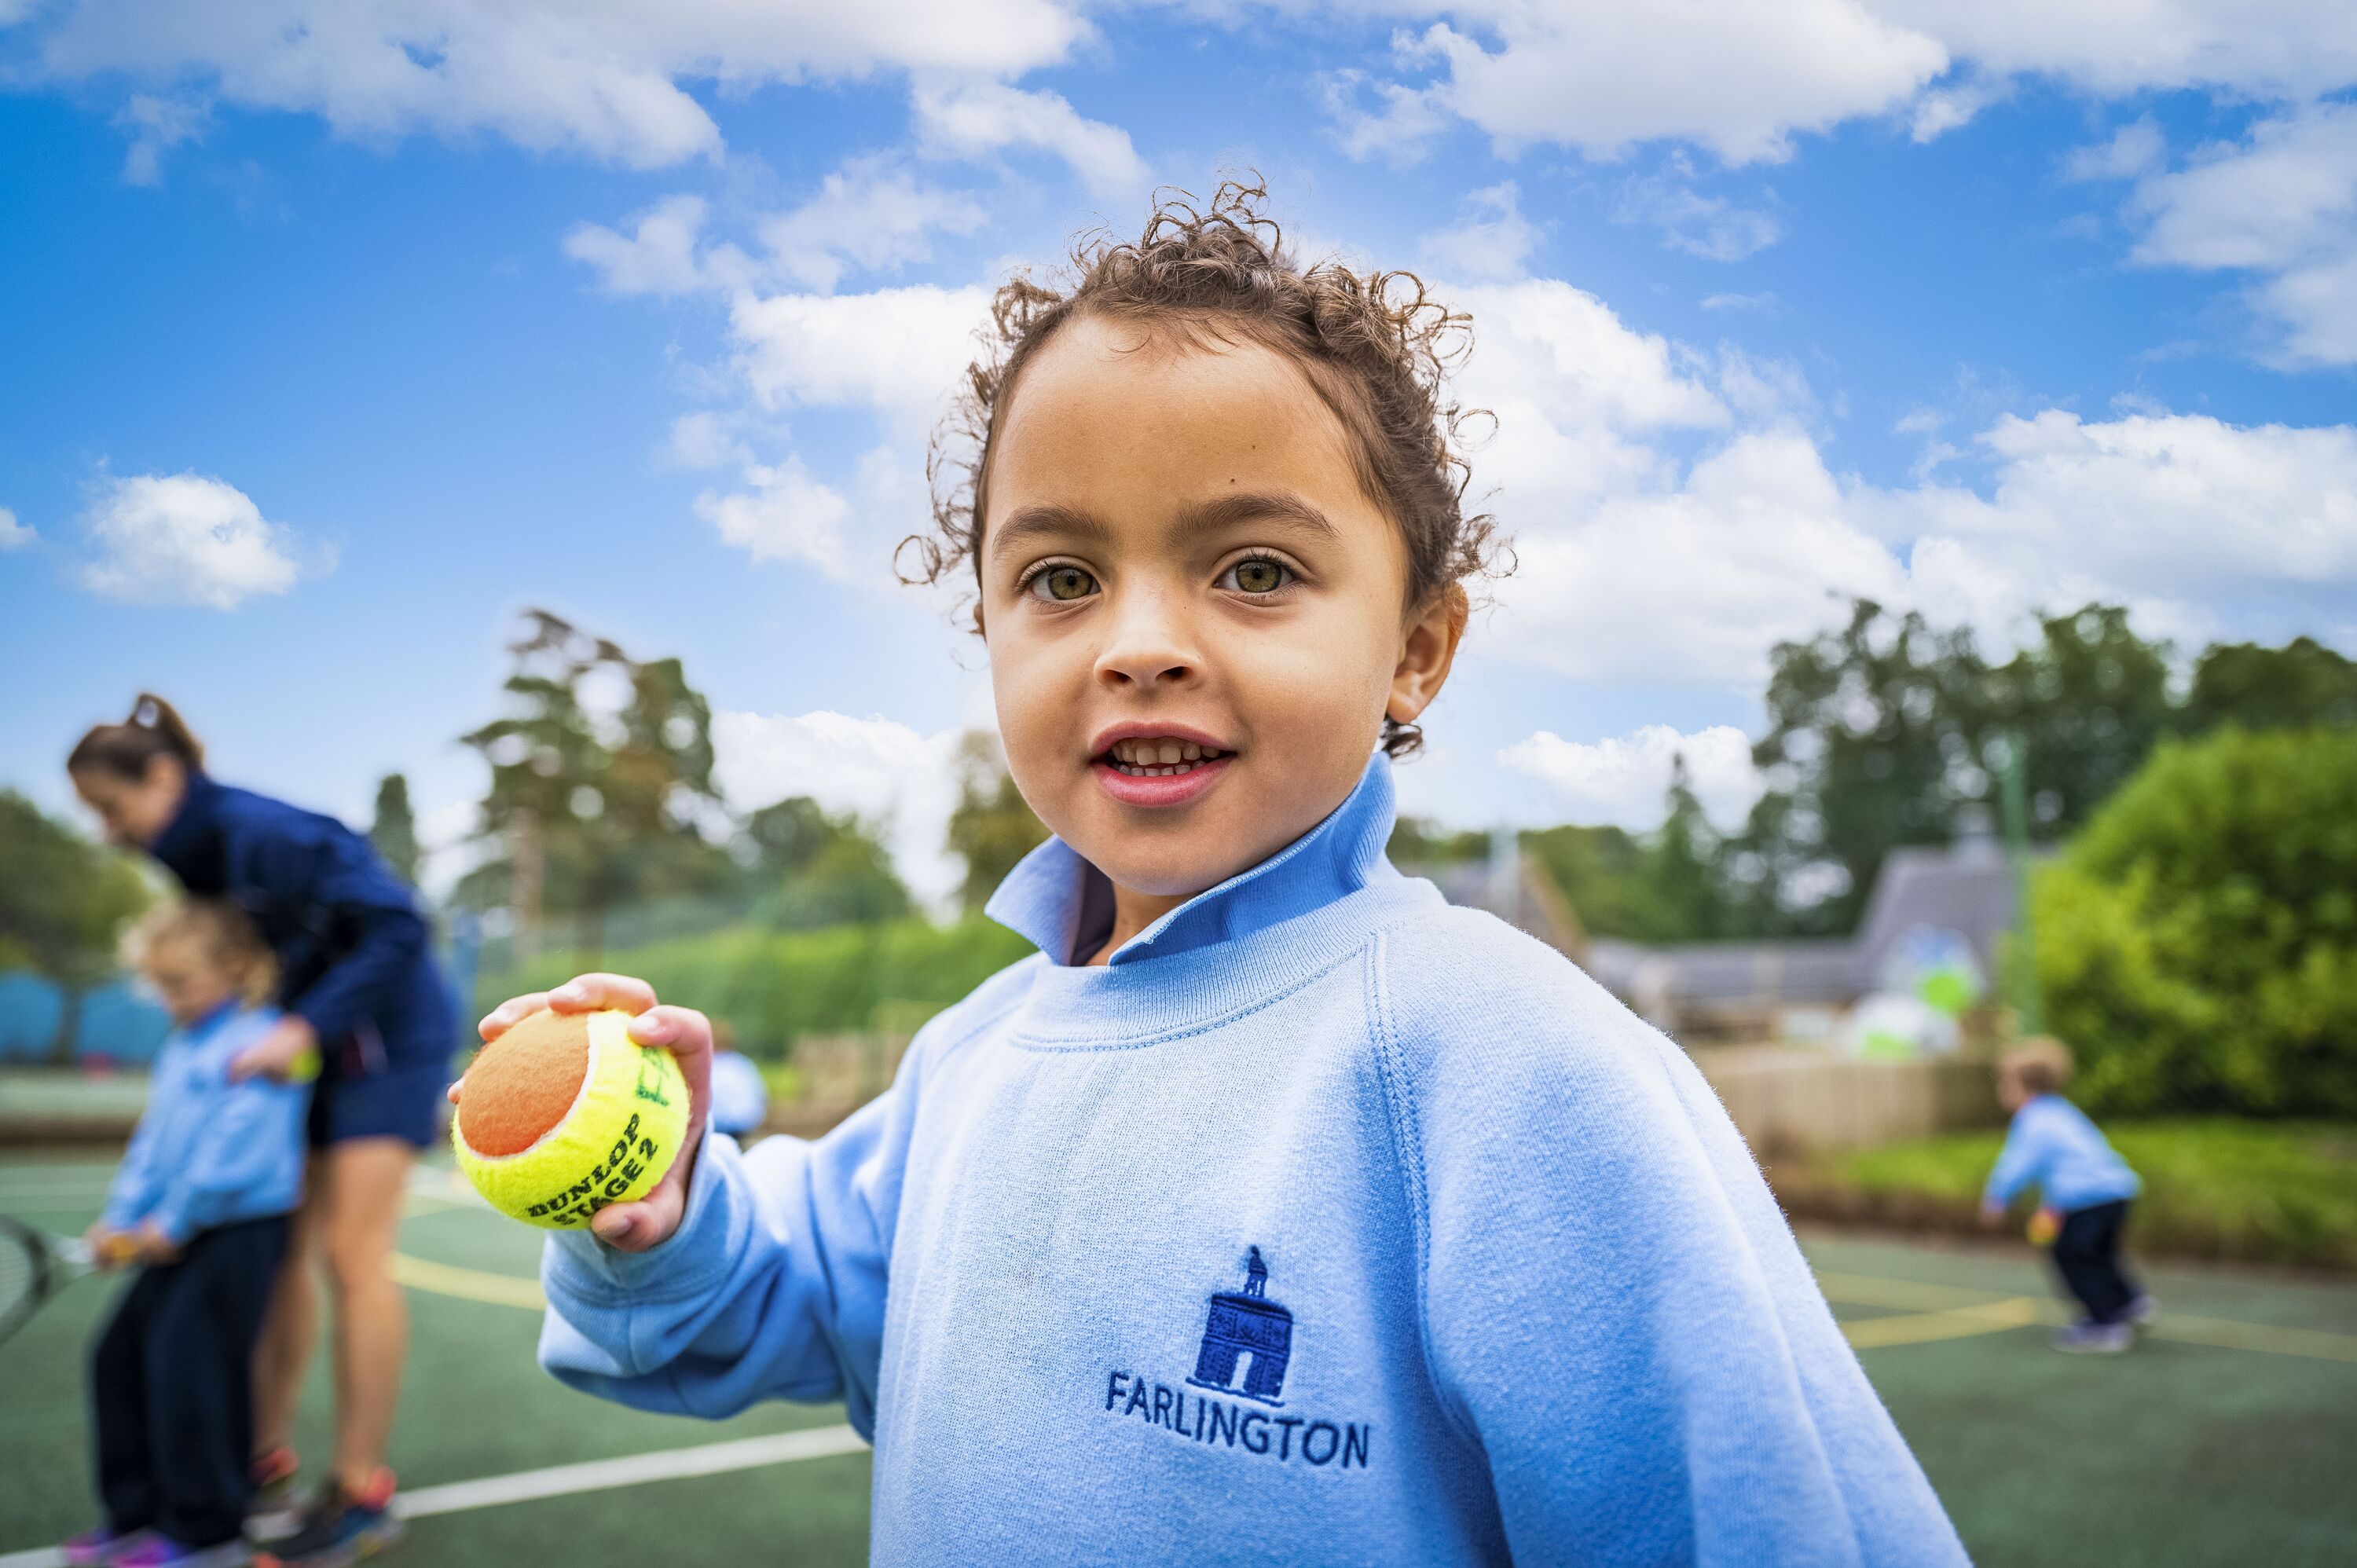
(565, 1114)
(2044, 1225)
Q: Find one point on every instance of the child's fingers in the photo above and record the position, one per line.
(682, 1031)
(635, 1227)
(508, 1013)
(596, 992)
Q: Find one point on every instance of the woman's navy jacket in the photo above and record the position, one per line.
(353, 957)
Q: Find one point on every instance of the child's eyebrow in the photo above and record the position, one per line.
(1048, 520)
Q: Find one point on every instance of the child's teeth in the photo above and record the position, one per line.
(1190, 752)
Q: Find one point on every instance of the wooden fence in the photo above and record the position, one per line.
(1789, 1102)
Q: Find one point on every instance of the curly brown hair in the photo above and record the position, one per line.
(1378, 348)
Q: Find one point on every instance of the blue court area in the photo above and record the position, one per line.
(2227, 1437)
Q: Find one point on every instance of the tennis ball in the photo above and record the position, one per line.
(565, 1114)
(2044, 1225)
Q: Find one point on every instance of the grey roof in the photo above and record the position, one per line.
(1966, 887)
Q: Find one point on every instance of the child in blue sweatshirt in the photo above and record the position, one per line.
(200, 1203)
(1276, 1211)
(2085, 1189)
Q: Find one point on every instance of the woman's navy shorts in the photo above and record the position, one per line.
(403, 1102)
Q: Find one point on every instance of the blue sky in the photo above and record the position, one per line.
(331, 343)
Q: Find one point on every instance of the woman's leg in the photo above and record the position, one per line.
(366, 1183)
(291, 1327)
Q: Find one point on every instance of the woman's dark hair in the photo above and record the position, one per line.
(154, 729)
(1377, 348)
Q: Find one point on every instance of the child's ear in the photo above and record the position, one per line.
(1428, 648)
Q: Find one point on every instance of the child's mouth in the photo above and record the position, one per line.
(1155, 770)
(1159, 756)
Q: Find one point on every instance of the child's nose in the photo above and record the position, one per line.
(1150, 646)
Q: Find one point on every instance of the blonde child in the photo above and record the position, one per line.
(1274, 1211)
(200, 1205)
(2085, 1189)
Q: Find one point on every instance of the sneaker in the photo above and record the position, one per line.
(101, 1547)
(2143, 1309)
(2093, 1338)
(274, 1511)
(342, 1529)
(163, 1552)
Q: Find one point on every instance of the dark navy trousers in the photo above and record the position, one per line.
(2087, 1256)
(171, 1383)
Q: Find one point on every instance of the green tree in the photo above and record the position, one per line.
(1879, 731)
(598, 778)
(805, 867)
(63, 904)
(992, 827)
(2301, 683)
(1419, 841)
(393, 831)
(2198, 941)
(1684, 867)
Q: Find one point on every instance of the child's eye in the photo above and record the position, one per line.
(1061, 584)
(1259, 575)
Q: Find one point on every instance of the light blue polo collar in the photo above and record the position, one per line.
(1052, 890)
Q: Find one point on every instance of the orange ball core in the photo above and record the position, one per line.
(523, 1083)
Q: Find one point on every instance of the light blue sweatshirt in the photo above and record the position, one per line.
(2052, 1146)
(1327, 1223)
(210, 1152)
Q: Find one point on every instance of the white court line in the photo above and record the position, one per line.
(594, 1476)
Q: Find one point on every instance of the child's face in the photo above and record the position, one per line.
(185, 980)
(1178, 563)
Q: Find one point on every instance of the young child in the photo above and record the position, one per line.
(1274, 1211)
(2084, 1188)
(200, 1204)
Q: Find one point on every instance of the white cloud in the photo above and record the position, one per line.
(1742, 77)
(1673, 520)
(873, 766)
(1710, 227)
(783, 515)
(155, 126)
(866, 215)
(897, 350)
(2132, 149)
(184, 539)
(1738, 302)
(974, 119)
(1623, 781)
(601, 80)
(2263, 49)
(2280, 204)
(14, 535)
(658, 257)
(1494, 243)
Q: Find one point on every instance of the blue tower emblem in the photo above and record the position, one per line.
(1247, 1330)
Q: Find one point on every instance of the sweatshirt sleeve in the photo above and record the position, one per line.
(772, 1288)
(244, 1162)
(132, 1192)
(2019, 1162)
(323, 867)
(1615, 1311)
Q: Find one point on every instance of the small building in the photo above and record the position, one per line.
(1797, 988)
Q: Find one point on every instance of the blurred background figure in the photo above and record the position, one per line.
(740, 1100)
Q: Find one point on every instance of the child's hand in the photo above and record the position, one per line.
(149, 1245)
(109, 1248)
(682, 1031)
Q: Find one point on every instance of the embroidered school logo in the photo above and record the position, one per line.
(1247, 1347)
(1247, 1334)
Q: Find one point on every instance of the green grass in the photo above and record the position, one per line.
(2279, 1192)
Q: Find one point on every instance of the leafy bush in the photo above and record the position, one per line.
(2282, 1192)
(2198, 941)
(773, 987)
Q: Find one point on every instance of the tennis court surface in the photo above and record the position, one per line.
(2226, 1439)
